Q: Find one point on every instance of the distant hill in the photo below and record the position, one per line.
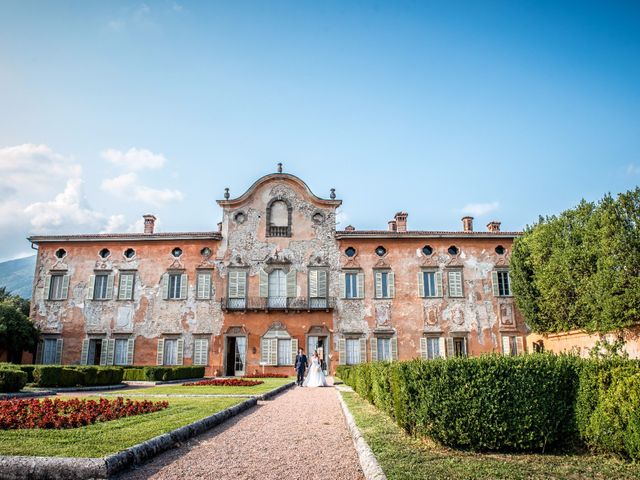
(17, 275)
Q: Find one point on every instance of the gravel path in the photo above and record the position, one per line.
(300, 434)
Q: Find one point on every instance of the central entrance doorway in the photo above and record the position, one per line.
(236, 356)
(319, 343)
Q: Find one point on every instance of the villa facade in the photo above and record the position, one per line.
(275, 276)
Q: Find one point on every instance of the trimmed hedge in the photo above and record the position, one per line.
(163, 374)
(12, 380)
(527, 403)
(73, 376)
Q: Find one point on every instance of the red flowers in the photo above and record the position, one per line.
(267, 375)
(57, 413)
(224, 382)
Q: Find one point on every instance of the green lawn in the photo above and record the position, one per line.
(403, 457)
(104, 438)
(269, 384)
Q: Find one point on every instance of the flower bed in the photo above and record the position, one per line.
(267, 375)
(72, 413)
(224, 382)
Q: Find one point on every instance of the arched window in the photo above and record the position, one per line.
(279, 218)
(277, 347)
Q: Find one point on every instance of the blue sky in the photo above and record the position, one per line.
(508, 110)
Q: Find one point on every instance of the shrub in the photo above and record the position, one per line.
(12, 380)
(57, 413)
(72, 376)
(163, 374)
(267, 375)
(134, 374)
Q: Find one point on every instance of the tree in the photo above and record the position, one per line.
(17, 333)
(581, 269)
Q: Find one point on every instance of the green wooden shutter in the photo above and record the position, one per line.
(242, 284)
(273, 351)
(378, 284)
(451, 351)
(361, 286)
(59, 343)
(233, 284)
(508, 288)
(494, 282)
(424, 351)
(103, 351)
(322, 283)
(160, 352)
(64, 292)
(184, 286)
(455, 283)
(363, 350)
(47, 287)
(109, 294)
(421, 283)
(165, 286)
(111, 350)
(180, 351)
(506, 346)
(438, 277)
(374, 349)
(442, 347)
(263, 278)
(313, 283)
(91, 285)
(343, 285)
(264, 351)
(294, 350)
(204, 286)
(130, 350)
(342, 351)
(84, 353)
(292, 288)
(394, 349)
(391, 284)
(125, 288)
(39, 352)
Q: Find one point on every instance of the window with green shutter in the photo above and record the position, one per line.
(454, 278)
(203, 287)
(125, 285)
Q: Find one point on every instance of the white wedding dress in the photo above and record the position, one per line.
(315, 377)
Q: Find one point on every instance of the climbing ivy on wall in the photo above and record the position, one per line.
(581, 268)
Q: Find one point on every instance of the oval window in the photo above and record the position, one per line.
(500, 250)
(176, 252)
(104, 253)
(350, 252)
(453, 250)
(427, 250)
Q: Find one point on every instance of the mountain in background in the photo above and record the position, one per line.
(17, 275)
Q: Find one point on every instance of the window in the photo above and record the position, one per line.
(350, 252)
(58, 287)
(277, 289)
(203, 290)
(102, 287)
(125, 287)
(500, 250)
(205, 252)
(459, 346)
(277, 347)
(171, 351)
(175, 286)
(455, 283)
(353, 351)
(201, 351)
(433, 348)
(94, 351)
(60, 253)
(176, 252)
(512, 345)
(385, 287)
(129, 253)
(317, 288)
(284, 352)
(49, 351)
(120, 356)
(430, 283)
(427, 250)
(501, 283)
(104, 253)
(384, 349)
(353, 285)
(279, 218)
(237, 288)
(453, 250)
(381, 251)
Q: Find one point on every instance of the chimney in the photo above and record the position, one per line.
(350, 228)
(401, 221)
(393, 227)
(149, 223)
(493, 226)
(467, 224)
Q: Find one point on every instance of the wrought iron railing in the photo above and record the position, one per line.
(277, 303)
(274, 231)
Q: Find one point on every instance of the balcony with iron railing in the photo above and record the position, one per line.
(277, 303)
(277, 231)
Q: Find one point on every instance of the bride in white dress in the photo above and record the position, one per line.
(315, 377)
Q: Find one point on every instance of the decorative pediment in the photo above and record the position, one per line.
(381, 263)
(237, 331)
(455, 261)
(236, 261)
(103, 265)
(316, 261)
(318, 331)
(176, 264)
(503, 261)
(351, 263)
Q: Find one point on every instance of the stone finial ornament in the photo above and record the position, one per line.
(226, 193)
(279, 167)
(332, 196)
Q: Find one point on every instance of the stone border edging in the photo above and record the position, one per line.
(63, 468)
(151, 383)
(368, 462)
(27, 394)
(96, 388)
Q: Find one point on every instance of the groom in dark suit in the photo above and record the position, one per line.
(301, 366)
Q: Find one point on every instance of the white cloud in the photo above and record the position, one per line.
(42, 193)
(633, 169)
(480, 209)
(134, 159)
(127, 185)
(342, 218)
